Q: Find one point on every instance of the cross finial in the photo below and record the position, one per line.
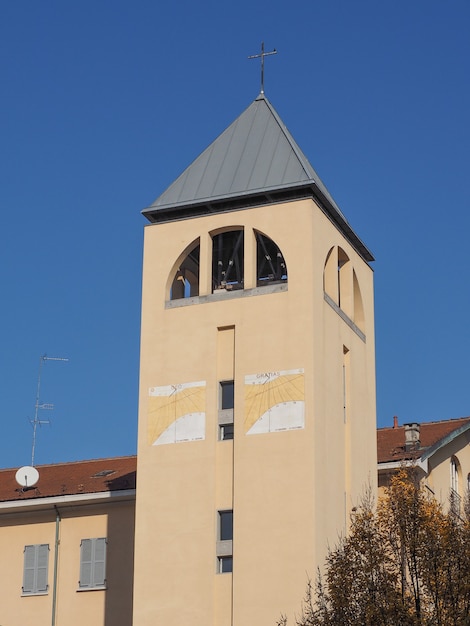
(261, 56)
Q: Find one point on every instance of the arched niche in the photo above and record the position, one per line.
(185, 273)
(330, 274)
(359, 318)
(271, 266)
(341, 284)
(344, 283)
(227, 259)
(337, 278)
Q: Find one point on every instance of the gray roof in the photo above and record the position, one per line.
(255, 161)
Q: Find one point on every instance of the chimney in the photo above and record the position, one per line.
(395, 421)
(412, 441)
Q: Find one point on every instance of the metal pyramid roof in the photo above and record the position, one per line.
(254, 161)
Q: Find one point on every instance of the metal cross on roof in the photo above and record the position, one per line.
(261, 56)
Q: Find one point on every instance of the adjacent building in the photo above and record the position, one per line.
(440, 451)
(68, 541)
(67, 545)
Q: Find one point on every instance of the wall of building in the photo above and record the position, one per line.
(445, 473)
(102, 607)
(439, 479)
(290, 490)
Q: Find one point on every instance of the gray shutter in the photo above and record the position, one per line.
(99, 577)
(42, 565)
(93, 563)
(29, 568)
(36, 561)
(86, 563)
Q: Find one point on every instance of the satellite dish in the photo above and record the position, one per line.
(27, 476)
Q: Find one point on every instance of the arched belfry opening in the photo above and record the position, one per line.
(359, 317)
(227, 260)
(330, 280)
(336, 277)
(341, 285)
(228, 264)
(343, 276)
(185, 282)
(270, 264)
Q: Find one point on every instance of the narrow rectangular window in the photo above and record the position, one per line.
(346, 374)
(226, 432)
(36, 562)
(227, 394)
(225, 525)
(225, 542)
(226, 405)
(93, 563)
(225, 564)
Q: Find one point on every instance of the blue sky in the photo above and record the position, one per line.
(104, 103)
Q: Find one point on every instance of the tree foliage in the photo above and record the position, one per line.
(405, 562)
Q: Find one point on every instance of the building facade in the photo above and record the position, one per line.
(256, 430)
(439, 450)
(68, 541)
(67, 545)
(257, 382)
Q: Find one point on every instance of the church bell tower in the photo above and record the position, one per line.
(257, 382)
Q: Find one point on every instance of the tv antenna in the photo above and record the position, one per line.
(40, 406)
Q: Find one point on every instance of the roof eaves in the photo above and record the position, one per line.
(445, 440)
(258, 197)
(395, 465)
(50, 502)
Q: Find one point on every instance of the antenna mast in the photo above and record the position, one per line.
(41, 405)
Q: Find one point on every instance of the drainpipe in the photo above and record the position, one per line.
(56, 559)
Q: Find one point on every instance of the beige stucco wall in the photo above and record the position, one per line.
(290, 491)
(439, 468)
(435, 472)
(110, 607)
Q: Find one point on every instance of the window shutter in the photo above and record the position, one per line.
(42, 564)
(36, 561)
(93, 563)
(86, 563)
(28, 571)
(99, 578)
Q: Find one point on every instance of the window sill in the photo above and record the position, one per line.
(100, 588)
(36, 593)
(344, 317)
(226, 295)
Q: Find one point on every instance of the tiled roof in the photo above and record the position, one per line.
(391, 441)
(119, 473)
(81, 477)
